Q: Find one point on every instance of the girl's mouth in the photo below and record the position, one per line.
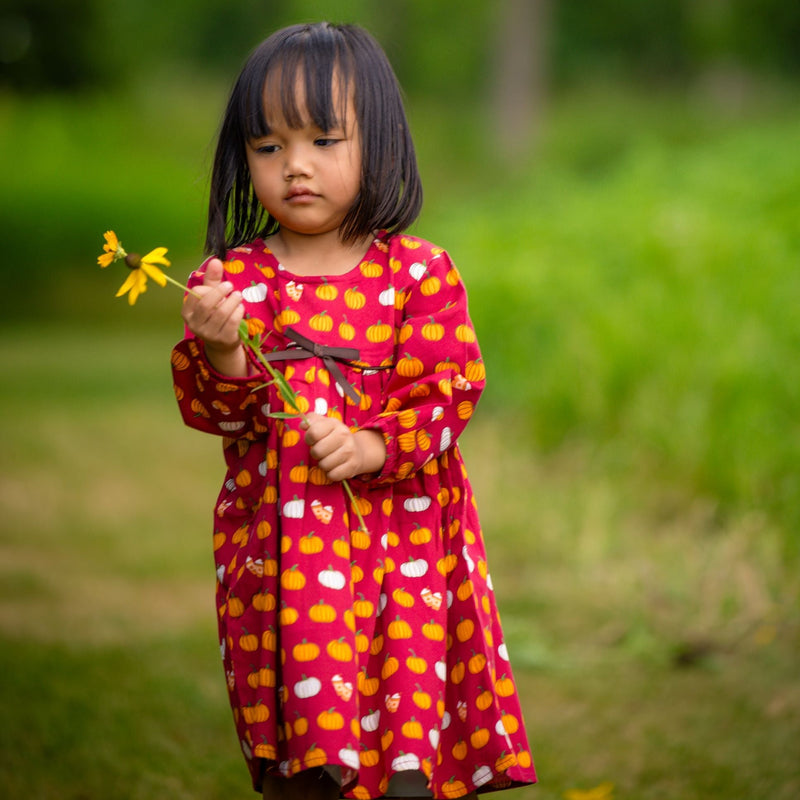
(299, 194)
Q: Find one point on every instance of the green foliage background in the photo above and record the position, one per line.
(634, 282)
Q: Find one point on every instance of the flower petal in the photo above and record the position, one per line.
(130, 282)
(112, 243)
(157, 256)
(154, 272)
(139, 288)
(105, 259)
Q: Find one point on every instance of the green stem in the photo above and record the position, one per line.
(180, 285)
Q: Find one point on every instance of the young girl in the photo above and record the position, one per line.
(360, 660)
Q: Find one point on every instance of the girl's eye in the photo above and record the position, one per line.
(267, 148)
(325, 141)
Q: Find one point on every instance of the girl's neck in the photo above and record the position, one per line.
(318, 254)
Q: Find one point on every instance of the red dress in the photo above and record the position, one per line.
(377, 651)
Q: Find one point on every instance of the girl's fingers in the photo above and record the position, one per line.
(215, 318)
(214, 273)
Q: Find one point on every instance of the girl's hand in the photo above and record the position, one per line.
(341, 453)
(214, 316)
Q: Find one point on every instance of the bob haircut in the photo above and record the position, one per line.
(390, 194)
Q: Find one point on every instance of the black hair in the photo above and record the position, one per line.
(390, 195)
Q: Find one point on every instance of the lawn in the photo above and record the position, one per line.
(635, 457)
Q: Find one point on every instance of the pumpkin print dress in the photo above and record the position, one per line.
(370, 652)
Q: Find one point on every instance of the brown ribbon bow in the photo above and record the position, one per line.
(305, 348)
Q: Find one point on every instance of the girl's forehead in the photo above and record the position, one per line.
(296, 97)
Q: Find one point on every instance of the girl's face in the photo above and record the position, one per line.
(306, 178)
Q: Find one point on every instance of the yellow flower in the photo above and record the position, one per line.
(601, 792)
(113, 249)
(142, 268)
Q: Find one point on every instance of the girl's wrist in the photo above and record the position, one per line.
(231, 361)
(373, 450)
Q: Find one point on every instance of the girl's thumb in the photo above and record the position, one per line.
(213, 272)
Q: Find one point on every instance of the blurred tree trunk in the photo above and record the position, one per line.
(519, 75)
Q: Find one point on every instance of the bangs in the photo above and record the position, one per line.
(324, 68)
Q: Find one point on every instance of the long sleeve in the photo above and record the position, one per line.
(438, 374)
(216, 403)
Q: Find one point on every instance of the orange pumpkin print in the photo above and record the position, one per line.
(410, 366)
(326, 291)
(346, 330)
(354, 299)
(379, 332)
(233, 267)
(321, 322)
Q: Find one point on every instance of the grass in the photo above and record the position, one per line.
(643, 298)
(635, 457)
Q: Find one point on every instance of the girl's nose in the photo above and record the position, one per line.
(297, 164)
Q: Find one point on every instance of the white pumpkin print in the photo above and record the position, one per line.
(382, 601)
(470, 562)
(321, 406)
(405, 762)
(386, 297)
(417, 504)
(255, 293)
(266, 409)
(349, 757)
(446, 439)
(414, 567)
(230, 484)
(438, 413)
(370, 722)
(502, 651)
(248, 753)
(446, 720)
(230, 426)
(417, 270)
(294, 509)
(482, 775)
(440, 668)
(332, 578)
(433, 737)
(307, 687)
